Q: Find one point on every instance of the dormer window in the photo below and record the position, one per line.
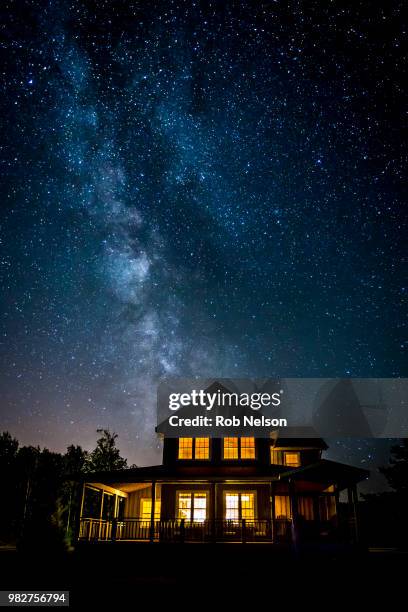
(289, 458)
(292, 459)
(239, 448)
(194, 448)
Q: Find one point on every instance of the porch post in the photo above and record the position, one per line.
(78, 515)
(152, 511)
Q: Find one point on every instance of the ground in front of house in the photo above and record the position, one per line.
(109, 574)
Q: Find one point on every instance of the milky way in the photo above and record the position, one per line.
(196, 188)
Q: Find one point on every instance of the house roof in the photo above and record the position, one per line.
(325, 471)
(322, 472)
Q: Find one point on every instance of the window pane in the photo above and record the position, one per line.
(185, 448)
(202, 448)
(200, 507)
(292, 459)
(282, 507)
(276, 457)
(247, 448)
(247, 506)
(192, 506)
(146, 509)
(231, 507)
(184, 506)
(230, 448)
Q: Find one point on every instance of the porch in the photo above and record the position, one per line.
(180, 530)
(218, 511)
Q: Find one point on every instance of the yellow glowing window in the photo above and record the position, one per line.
(305, 508)
(146, 509)
(292, 459)
(247, 506)
(239, 506)
(202, 448)
(282, 507)
(276, 457)
(230, 448)
(185, 448)
(247, 448)
(192, 506)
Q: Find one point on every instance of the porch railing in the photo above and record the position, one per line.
(180, 530)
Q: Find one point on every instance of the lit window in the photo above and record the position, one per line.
(282, 507)
(192, 506)
(247, 448)
(247, 506)
(146, 509)
(239, 447)
(239, 506)
(230, 448)
(276, 457)
(305, 508)
(292, 459)
(202, 448)
(199, 448)
(185, 448)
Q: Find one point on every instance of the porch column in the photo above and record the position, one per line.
(152, 511)
(78, 518)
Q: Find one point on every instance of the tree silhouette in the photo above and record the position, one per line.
(397, 472)
(43, 492)
(106, 456)
(384, 514)
(75, 461)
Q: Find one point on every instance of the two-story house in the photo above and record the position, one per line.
(230, 489)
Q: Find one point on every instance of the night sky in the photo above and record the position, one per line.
(196, 188)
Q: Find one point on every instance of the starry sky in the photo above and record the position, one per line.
(211, 188)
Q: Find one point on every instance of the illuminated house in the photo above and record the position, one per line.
(232, 489)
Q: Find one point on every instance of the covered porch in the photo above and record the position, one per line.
(297, 505)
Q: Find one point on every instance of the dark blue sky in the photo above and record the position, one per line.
(196, 188)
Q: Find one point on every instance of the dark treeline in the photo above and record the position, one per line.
(383, 516)
(41, 493)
